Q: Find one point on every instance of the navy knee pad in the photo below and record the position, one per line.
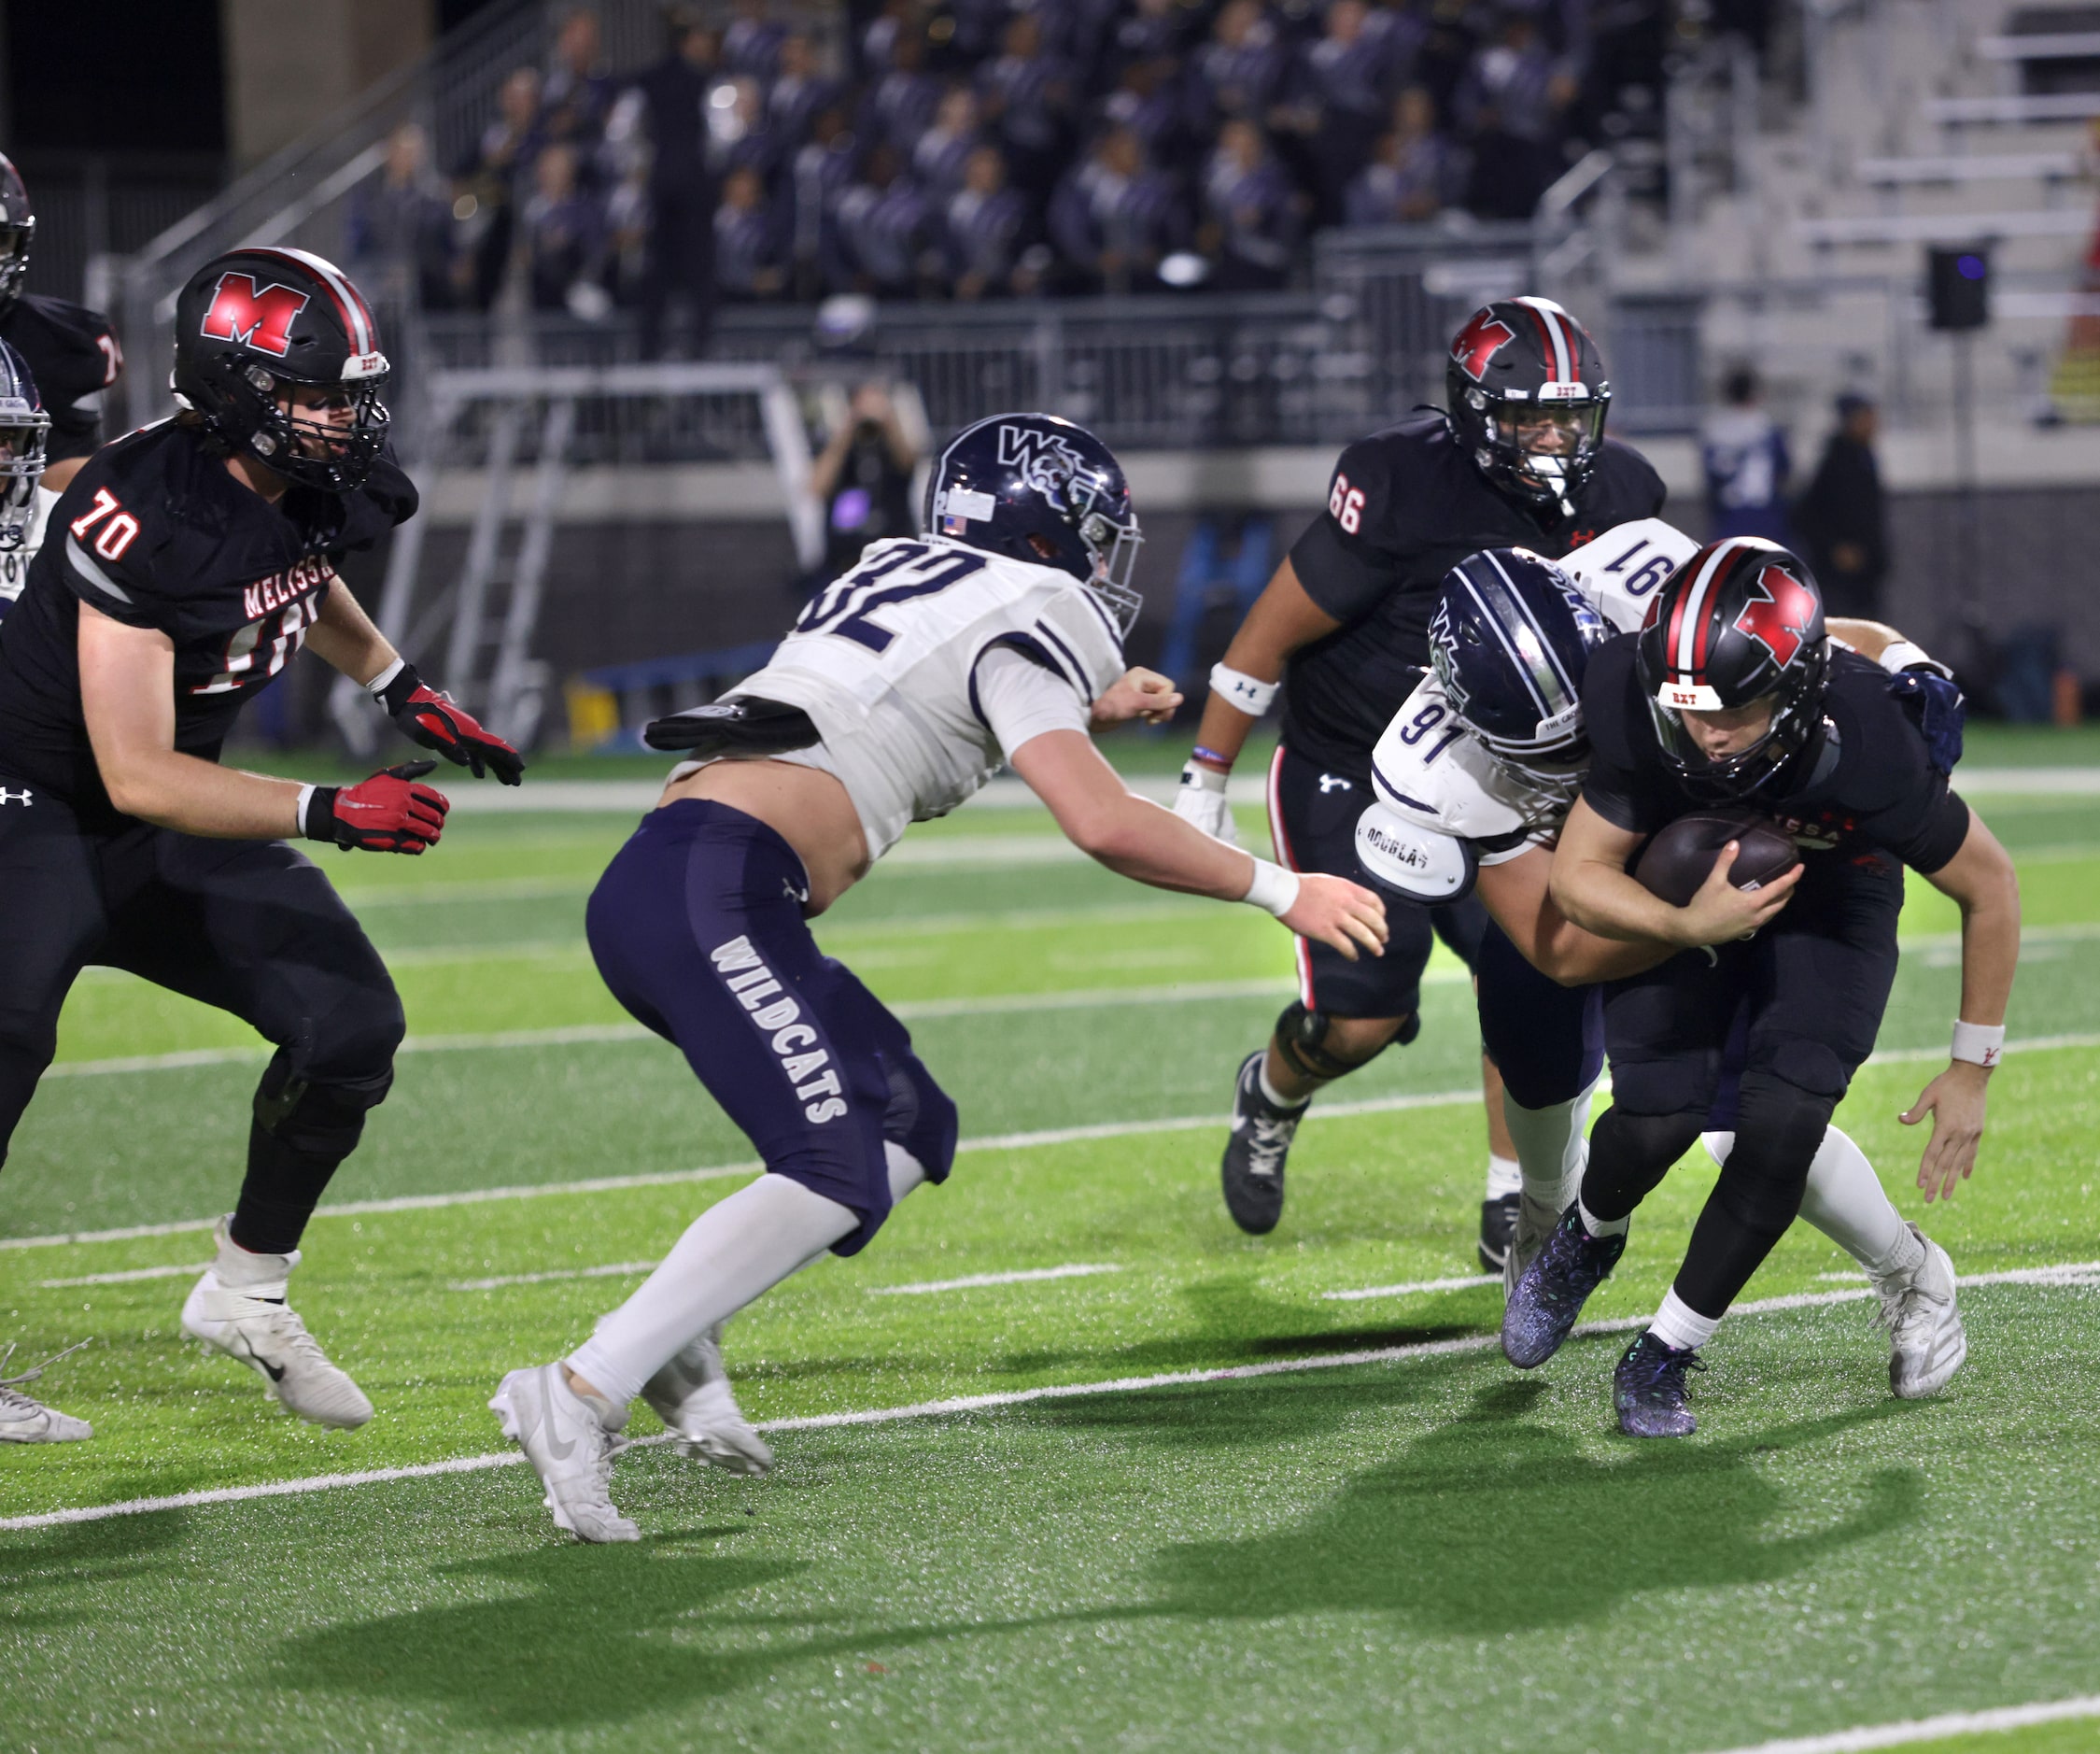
(1630, 1153)
(922, 1117)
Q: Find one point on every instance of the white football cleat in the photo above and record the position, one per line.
(24, 1421)
(571, 1447)
(1926, 1344)
(691, 1394)
(238, 1308)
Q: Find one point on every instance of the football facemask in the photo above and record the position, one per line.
(25, 432)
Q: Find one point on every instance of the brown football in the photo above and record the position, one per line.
(1677, 860)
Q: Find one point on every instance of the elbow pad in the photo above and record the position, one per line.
(1416, 864)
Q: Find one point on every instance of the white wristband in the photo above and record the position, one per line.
(1898, 655)
(1250, 694)
(305, 798)
(384, 680)
(1979, 1044)
(1274, 888)
(1202, 778)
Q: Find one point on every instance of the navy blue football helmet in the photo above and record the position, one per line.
(1038, 488)
(25, 429)
(1510, 639)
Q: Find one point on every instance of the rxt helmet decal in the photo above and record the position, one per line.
(255, 316)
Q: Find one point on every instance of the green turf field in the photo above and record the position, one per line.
(1203, 1496)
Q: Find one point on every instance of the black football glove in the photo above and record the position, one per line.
(389, 813)
(438, 721)
(1938, 708)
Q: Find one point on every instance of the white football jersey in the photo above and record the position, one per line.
(885, 663)
(1436, 776)
(14, 562)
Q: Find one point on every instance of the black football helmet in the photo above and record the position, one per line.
(1526, 390)
(1740, 621)
(1509, 641)
(1038, 488)
(255, 321)
(25, 429)
(18, 231)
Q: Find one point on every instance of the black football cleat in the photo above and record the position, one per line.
(1648, 1389)
(1260, 1140)
(1549, 1300)
(1498, 1224)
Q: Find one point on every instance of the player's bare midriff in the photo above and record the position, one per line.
(806, 807)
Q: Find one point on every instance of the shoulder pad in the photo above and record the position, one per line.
(1430, 771)
(1621, 571)
(1415, 862)
(1052, 608)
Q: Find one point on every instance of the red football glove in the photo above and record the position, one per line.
(438, 721)
(389, 813)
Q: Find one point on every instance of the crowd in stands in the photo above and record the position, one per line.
(980, 149)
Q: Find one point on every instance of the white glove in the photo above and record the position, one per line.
(1201, 801)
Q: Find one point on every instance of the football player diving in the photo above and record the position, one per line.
(189, 562)
(1733, 692)
(1476, 777)
(73, 359)
(1517, 458)
(995, 637)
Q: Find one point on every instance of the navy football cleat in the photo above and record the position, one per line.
(1549, 1300)
(1648, 1389)
(1252, 1168)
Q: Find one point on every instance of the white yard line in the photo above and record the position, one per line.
(1470, 1282)
(911, 1010)
(1078, 1270)
(1938, 1728)
(666, 1177)
(617, 1269)
(122, 1279)
(2066, 1274)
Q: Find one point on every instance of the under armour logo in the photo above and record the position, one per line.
(23, 796)
(1335, 783)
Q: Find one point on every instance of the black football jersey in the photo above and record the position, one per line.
(1871, 787)
(1405, 506)
(155, 532)
(73, 355)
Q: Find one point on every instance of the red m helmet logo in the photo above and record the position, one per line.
(1479, 342)
(1780, 614)
(256, 317)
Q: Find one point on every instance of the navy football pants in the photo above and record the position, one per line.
(696, 927)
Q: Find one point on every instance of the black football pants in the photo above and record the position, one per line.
(1802, 1002)
(250, 926)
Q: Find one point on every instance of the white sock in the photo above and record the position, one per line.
(244, 1270)
(1268, 1090)
(1552, 1147)
(734, 1251)
(1677, 1323)
(905, 1171)
(1602, 1226)
(1503, 1176)
(1845, 1200)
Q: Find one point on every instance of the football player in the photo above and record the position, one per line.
(1475, 776)
(72, 358)
(996, 636)
(188, 561)
(1733, 693)
(1518, 457)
